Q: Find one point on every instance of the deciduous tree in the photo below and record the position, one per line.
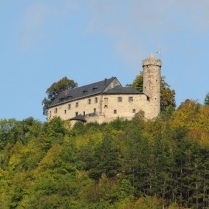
(55, 89)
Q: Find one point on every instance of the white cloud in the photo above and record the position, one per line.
(138, 26)
(41, 20)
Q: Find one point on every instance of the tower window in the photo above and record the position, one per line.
(147, 98)
(119, 99)
(115, 111)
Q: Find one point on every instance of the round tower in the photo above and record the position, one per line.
(151, 85)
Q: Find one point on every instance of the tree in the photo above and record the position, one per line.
(167, 95)
(206, 100)
(138, 82)
(55, 89)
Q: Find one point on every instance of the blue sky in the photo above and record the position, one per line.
(89, 40)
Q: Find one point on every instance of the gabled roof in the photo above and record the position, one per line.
(122, 90)
(82, 92)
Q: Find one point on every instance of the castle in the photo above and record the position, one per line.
(106, 100)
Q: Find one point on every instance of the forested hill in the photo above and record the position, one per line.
(124, 164)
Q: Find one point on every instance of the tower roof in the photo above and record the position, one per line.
(151, 56)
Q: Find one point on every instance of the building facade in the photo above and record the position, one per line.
(106, 100)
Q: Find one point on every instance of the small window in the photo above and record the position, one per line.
(69, 106)
(130, 99)
(115, 111)
(96, 99)
(94, 110)
(84, 113)
(106, 101)
(105, 106)
(76, 104)
(119, 99)
(134, 110)
(112, 85)
(89, 101)
(65, 111)
(147, 98)
(55, 110)
(76, 113)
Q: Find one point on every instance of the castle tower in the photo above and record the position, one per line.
(151, 85)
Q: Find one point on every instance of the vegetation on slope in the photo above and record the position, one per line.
(133, 164)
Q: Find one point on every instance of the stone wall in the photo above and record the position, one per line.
(107, 107)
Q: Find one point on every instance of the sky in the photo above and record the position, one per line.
(41, 41)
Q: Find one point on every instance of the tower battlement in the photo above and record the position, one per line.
(151, 61)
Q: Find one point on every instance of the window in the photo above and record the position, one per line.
(69, 106)
(134, 111)
(112, 85)
(94, 110)
(95, 87)
(130, 99)
(76, 113)
(119, 99)
(89, 101)
(147, 98)
(105, 100)
(84, 113)
(96, 99)
(115, 111)
(49, 114)
(65, 111)
(76, 104)
(55, 110)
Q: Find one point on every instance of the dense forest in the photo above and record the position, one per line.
(143, 164)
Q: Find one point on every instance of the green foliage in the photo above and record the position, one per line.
(138, 82)
(206, 100)
(105, 159)
(55, 89)
(123, 164)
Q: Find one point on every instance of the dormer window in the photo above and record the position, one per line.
(95, 87)
(85, 91)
